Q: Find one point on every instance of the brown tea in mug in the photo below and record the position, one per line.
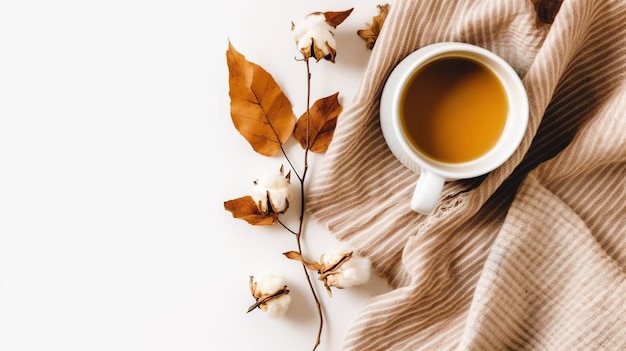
(453, 109)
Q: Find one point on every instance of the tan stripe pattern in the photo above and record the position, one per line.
(529, 257)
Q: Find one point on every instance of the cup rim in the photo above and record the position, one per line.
(510, 139)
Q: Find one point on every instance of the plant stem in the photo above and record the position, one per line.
(303, 206)
(287, 228)
(302, 179)
(282, 149)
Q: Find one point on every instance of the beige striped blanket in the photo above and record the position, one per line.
(529, 257)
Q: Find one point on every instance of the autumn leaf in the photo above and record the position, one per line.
(296, 256)
(323, 119)
(245, 208)
(335, 18)
(371, 33)
(259, 109)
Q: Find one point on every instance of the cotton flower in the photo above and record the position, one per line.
(315, 35)
(339, 267)
(348, 269)
(271, 294)
(272, 192)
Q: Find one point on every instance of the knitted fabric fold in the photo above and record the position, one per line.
(530, 256)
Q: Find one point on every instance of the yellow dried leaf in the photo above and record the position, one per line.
(370, 35)
(321, 128)
(259, 109)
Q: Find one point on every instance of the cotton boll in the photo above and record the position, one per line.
(335, 253)
(277, 307)
(271, 294)
(277, 188)
(314, 31)
(352, 272)
(270, 284)
(312, 26)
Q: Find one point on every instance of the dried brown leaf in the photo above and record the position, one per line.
(323, 120)
(335, 18)
(259, 109)
(370, 35)
(296, 256)
(293, 255)
(245, 208)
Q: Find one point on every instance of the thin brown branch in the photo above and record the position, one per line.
(287, 228)
(302, 210)
(293, 168)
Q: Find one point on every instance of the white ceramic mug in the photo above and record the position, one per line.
(434, 173)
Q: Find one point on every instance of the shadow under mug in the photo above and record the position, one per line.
(435, 172)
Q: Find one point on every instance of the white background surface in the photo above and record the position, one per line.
(118, 152)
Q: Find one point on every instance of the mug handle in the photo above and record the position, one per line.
(427, 192)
